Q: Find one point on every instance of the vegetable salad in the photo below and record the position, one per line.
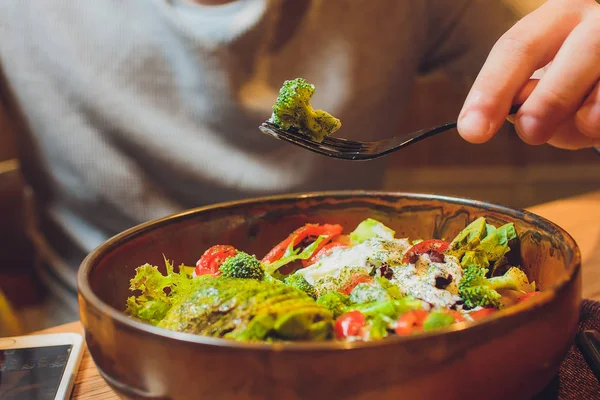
(322, 284)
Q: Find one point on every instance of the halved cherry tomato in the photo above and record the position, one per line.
(212, 259)
(349, 324)
(356, 279)
(425, 246)
(527, 296)
(482, 313)
(324, 248)
(410, 322)
(308, 230)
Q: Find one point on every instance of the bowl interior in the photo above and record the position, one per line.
(549, 255)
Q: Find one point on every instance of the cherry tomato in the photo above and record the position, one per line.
(300, 234)
(424, 247)
(349, 324)
(410, 322)
(212, 259)
(356, 279)
(527, 296)
(482, 313)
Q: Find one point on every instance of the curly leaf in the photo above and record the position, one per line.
(153, 303)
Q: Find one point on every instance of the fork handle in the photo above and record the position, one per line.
(514, 109)
(451, 125)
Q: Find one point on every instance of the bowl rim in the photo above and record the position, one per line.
(85, 291)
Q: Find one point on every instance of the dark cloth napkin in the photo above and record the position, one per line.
(575, 380)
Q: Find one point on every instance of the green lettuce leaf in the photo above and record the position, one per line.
(437, 320)
(481, 244)
(393, 290)
(495, 245)
(474, 259)
(379, 327)
(292, 254)
(389, 308)
(469, 237)
(153, 303)
(370, 228)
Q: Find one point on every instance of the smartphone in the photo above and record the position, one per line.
(39, 367)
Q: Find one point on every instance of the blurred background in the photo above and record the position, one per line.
(504, 171)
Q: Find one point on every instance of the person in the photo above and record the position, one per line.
(126, 111)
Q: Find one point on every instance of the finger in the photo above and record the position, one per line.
(564, 87)
(525, 92)
(529, 45)
(567, 136)
(587, 118)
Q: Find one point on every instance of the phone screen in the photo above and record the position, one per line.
(32, 373)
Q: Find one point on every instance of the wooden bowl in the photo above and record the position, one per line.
(511, 355)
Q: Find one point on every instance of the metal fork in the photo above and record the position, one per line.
(353, 149)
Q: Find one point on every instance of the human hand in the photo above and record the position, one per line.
(561, 39)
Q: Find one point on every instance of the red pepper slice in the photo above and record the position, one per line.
(410, 322)
(308, 230)
(527, 296)
(482, 313)
(324, 248)
(212, 259)
(424, 247)
(349, 324)
(458, 317)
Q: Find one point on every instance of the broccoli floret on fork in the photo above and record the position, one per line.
(292, 109)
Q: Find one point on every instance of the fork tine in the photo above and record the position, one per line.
(293, 137)
(343, 144)
(342, 141)
(338, 148)
(298, 140)
(348, 147)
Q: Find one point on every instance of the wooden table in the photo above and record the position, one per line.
(580, 216)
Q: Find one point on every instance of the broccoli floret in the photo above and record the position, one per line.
(326, 285)
(292, 109)
(335, 302)
(478, 290)
(242, 265)
(299, 282)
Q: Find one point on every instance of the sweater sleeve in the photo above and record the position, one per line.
(461, 33)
